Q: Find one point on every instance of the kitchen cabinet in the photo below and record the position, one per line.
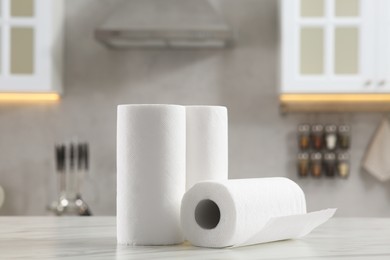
(31, 39)
(334, 46)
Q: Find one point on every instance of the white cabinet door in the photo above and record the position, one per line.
(327, 46)
(31, 45)
(381, 79)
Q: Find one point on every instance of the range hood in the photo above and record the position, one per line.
(165, 23)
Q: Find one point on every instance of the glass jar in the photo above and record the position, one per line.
(317, 137)
(316, 164)
(330, 164)
(330, 137)
(343, 165)
(303, 164)
(304, 137)
(344, 137)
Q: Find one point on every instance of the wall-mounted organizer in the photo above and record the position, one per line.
(323, 150)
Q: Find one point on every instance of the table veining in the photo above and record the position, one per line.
(95, 238)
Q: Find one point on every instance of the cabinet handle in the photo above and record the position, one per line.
(382, 83)
(367, 83)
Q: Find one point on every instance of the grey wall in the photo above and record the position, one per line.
(245, 79)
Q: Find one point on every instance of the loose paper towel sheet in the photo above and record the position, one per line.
(289, 227)
(151, 141)
(207, 144)
(247, 211)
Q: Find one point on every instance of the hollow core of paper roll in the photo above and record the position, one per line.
(150, 173)
(207, 214)
(207, 144)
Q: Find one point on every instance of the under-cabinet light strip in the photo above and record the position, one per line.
(339, 98)
(29, 97)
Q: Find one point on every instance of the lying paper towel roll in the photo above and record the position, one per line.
(151, 141)
(207, 144)
(246, 211)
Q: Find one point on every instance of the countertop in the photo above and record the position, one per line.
(94, 238)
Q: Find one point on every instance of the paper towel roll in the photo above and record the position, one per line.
(207, 144)
(246, 211)
(151, 141)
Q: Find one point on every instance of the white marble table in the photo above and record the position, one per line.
(94, 238)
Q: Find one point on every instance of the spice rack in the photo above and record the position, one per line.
(323, 150)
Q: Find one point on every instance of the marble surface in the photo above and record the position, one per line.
(94, 238)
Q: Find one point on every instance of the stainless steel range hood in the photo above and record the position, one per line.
(165, 23)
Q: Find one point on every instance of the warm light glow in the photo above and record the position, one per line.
(334, 98)
(29, 97)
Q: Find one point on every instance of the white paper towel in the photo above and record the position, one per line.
(151, 141)
(207, 144)
(246, 211)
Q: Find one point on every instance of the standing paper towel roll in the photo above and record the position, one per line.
(246, 211)
(151, 141)
(207, 144)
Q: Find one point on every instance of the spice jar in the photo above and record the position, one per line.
(331, 137)
(304, 136)
(303, 164)
(316, 164)
(344, 136)
(330, 164)
(317, 136)
(343, 165)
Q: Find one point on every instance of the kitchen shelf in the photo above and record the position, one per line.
(32, 97)
(334, 102)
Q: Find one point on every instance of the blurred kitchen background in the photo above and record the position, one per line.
(245, 77)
